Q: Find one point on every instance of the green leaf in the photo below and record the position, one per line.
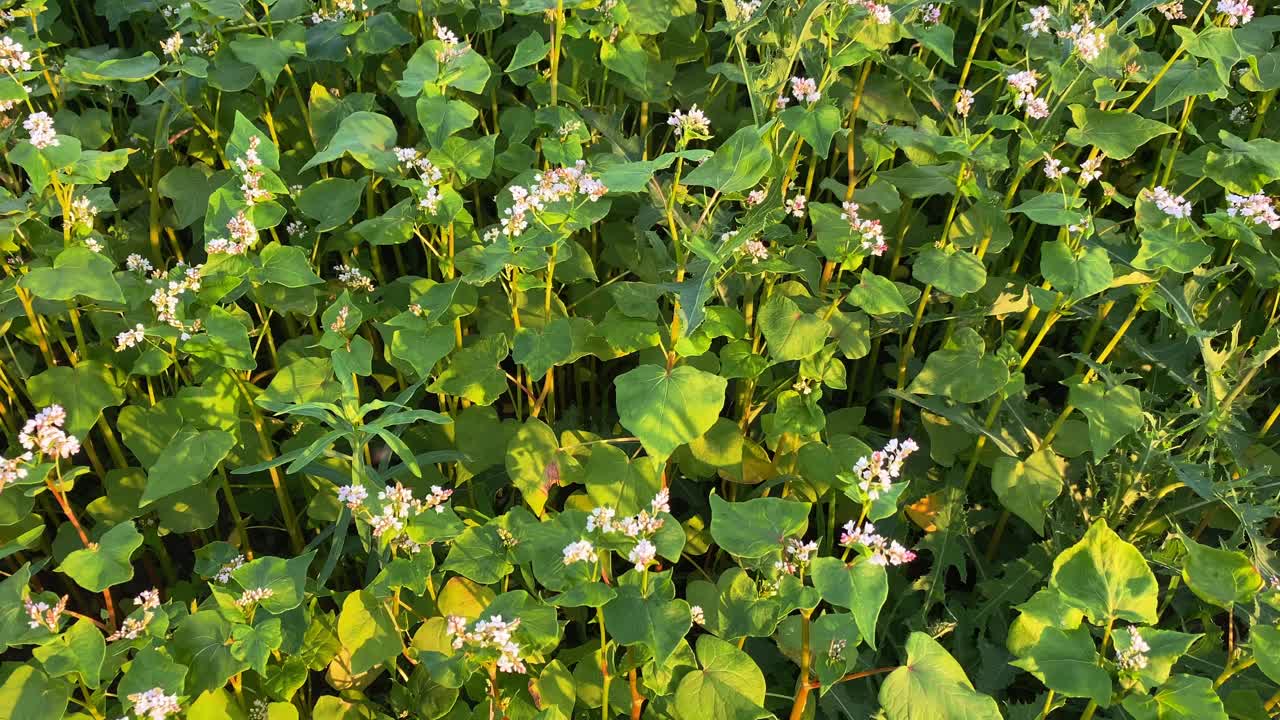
(1107, 578)
(1265, 640)
(1078, 274)
(817, 124)
(734, 607)
(738, 164)
(668, 408)
(1175, 247)
(529, 51)
(1118, 134)
(727, 686)
(1167, 647)
(658, 624)
(478, 554)
(625, 484)
(1051, 208)
(474, 373)
(878, 295)
(961, 371)
(286, 265)
(83, 71)
(861, 587)
(269, 55)
(224, 342)
(441, 117)
(931, 685)
(286, 579)
(539, 350)
(754, 528)
(106, 562)
(254, 644)
(367, 631)
(534, 462)
(791, 333)
(1068, 663)
(188, 459)
(79, 651)
(83, 391)
(954, 273)
(1113, 413)
(368, 137)
(76, 271)
(1027, 488)
(1184, 697)
(153, 668)
(29, 694)
(1219, 577)
(332, 201)
(202, 642)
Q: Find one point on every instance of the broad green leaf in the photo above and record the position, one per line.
(931, 685)
(368, 137)
(1106, 577)
(105, 562)
(474, 373)
(668, 408)
(534, 462)
(224, 342)
(1116, 133)
(80, 651)
(1113, 413)
(1076, 273)
(29, 694)
(1067, 662)
(961, 371)
(1265, 640)
(1184, 697)
(441, 117)
(269, 55)
(738, 164)
(878, 295)
(657, 623)
(727, 686)
(539, 350)
(478, 554)
(1219, 577)
(367, 631)
(202, 642)
(83, 391)
(954, 273)
(817, 124)
(188, 459)
(84, 71)
(332, 201)
(734, 607)
(285, 579)
(1051, 208)
(861, 587)
(77, 271)
(1173, 248)
(286, 265)
(791, 333)
(1166, 648)
(1027, 488)
(530, 50)
(754, 528)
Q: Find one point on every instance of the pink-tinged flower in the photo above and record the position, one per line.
(796, 205)
(1089, 42)
(13, 58)
(1024, 82)
(40, 128)
(353, 496)
(1037, 108)
(877, 471)
(871, 232)
(931, 14)
(755, 197)
(755, 250)
(691, 124)
(642, 554)
(1257, 209)
(1089, 170)
(1053, 168)
(805, 90)
(1172, 11)
(1174, 206)
(884, 551)
(964, 103)
(782, 102)
(154, 704)
(1134, 657)
(580, 551)
(43, 433)
(1039, 23)
(1238, 12)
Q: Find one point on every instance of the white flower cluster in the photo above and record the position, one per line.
(641, 526)
(796, 206)
(398, 505)
(165, 299)
(1135, 657)
(805, 89)
(132, 627)
(1238, 12)
(40, 127)
(41, 614)
(131, 338)
(747, 8)
(1257, 209)
(44, 434)
(580, 551)
(137, 263)
(339, 324)
(552, 186)
(343, 8)
(755, 197)
(871, 231)
(244, 235)
(82, 212)
(223, 576)
(353, 278)
(964, 103)
(692, 124)
(494, 633)
(1024, 83)
(412, 160)
(1039, 23)
(796, 555)
(12, 470)
(1089, 42)
(154, 704)
(1090, 170)
(1172, 11)
(755, 249)
(453, 47)
(931, 14)
(251, 173)
(172, 45)
(882, 14)
(253, 596)
(698, 616)
(877, 472)
(1174, 206)
(1053, 168)
(883, 551)
(353, 496)
(13, 57)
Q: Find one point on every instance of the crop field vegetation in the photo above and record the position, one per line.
(646, 359)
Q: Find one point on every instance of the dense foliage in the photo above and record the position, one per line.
(658, 359)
